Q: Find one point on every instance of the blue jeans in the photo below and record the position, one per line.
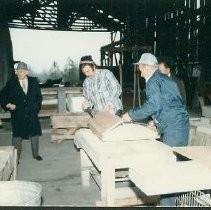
(174, 137)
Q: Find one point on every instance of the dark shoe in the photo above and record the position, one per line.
(38, 158)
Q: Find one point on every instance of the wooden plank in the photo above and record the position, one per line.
(54, 90)
(201, 154)
(63, 131)
(50, 102)
(167, 178)
(128, 197)
(69, 120)
(42, 113)
(86, 166)
(127, 152)
(58, 135)
(60, 138)
(103, 122)
(108, 182)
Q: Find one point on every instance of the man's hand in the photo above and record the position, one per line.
(11, 106)
(151, 123)
(108, 108)
(126, 118)
(86, 104)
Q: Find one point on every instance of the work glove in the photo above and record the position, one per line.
(86, 104)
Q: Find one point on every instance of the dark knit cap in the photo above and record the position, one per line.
(87, 59)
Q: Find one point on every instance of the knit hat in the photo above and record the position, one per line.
(149, 59)
(22, 65)
(87, 59)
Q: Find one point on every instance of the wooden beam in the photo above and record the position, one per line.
(42, 113)
(69, 120)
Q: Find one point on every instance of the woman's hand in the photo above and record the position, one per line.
(126, 118)
(86, 104)
(109, 108)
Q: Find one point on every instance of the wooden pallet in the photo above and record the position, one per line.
(65, 125)
(58, 135)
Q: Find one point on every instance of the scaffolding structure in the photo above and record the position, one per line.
(119, 57)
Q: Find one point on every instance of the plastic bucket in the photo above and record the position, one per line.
(20, 193)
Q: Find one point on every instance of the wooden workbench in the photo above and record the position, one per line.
(107, 157)
(151, 165)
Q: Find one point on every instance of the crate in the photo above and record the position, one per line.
(194, 199)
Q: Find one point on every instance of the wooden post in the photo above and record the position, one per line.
(61, 101)
(139, 90)
(6, 58)
(108, 183)
(86, 165)
(120, 77)
(134, 86)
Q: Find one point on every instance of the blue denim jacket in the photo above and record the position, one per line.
(163, 103)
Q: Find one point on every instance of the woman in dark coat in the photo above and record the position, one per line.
(22, 97)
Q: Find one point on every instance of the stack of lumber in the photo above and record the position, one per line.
(50, 96)
(64, 125)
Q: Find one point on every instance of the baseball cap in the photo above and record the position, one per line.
(149, 59)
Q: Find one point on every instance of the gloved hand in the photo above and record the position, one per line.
(86, 104)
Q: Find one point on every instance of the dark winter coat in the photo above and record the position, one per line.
(24, 118)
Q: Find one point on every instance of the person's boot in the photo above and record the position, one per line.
(38, 158)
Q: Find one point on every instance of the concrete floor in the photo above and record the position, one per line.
(58, 173)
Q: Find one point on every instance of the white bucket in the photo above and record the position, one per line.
(20, 193)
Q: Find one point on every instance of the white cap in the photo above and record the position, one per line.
(149, 59)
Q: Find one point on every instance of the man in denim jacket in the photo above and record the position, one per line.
(165, 105)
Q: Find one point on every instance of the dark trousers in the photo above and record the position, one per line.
(17, 143)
